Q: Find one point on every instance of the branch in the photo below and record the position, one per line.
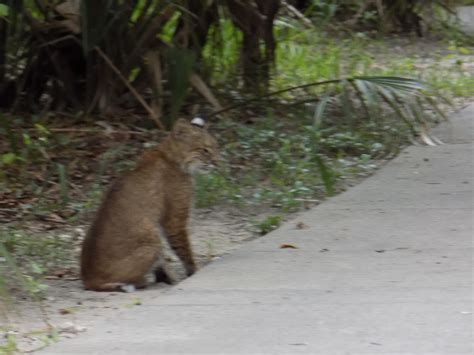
(131, 88)
(246, 102)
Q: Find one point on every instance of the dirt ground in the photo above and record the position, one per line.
(70, 309)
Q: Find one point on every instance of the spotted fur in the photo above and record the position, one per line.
(123, 243)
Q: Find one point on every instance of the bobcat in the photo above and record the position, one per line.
(123, 243)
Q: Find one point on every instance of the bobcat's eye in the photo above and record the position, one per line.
(207, 151)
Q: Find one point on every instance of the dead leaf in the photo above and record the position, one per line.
(69, 310)
(55, 218)
(288, 246)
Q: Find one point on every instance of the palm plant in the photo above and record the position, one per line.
(370, 95)
(64, 55)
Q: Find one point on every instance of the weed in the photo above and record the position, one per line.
(268, 224)
(221, 59)
(214, 188)
(9, 344)
(12, 272)
(282, 164)
(36, 253)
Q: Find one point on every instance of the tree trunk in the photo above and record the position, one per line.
(194, 23)
(404, 15)
(255, 20)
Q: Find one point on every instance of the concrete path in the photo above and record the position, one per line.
(466, 18)
(385, 268)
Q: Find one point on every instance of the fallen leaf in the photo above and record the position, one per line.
(288, 246)
(53, 217)
(65, 311)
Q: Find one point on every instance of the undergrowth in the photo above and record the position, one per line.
(284, 162)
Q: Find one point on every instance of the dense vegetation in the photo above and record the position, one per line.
(109, 57)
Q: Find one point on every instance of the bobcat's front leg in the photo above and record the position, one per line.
(179, 242)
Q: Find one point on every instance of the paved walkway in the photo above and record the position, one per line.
(385, 268)
(466, 18)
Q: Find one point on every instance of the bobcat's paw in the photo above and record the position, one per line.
(190, 270)
(127, 288)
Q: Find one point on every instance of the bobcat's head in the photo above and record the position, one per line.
(197, 149)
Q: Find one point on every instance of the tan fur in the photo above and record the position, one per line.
(123, 243)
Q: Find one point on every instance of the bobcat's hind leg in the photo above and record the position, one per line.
(163, 275)
(162, 272)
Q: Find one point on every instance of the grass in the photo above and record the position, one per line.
(268, 224)
(281, 164)
(37, 252)
(214, 188)
(450, 72)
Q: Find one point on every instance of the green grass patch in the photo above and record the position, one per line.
(268, 224)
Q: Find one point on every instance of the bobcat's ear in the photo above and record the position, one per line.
(198, 122)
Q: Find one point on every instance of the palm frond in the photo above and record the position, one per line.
(405, 97)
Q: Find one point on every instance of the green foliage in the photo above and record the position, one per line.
(12, 271)
(213, 188)
(4, 10)
(268, 224)
(181, 63)
(284, 165)
(447, 73)
(307, 55)
(23, 261)
(221, 53)
(25, 147)
(35, 253)
(10, 345)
